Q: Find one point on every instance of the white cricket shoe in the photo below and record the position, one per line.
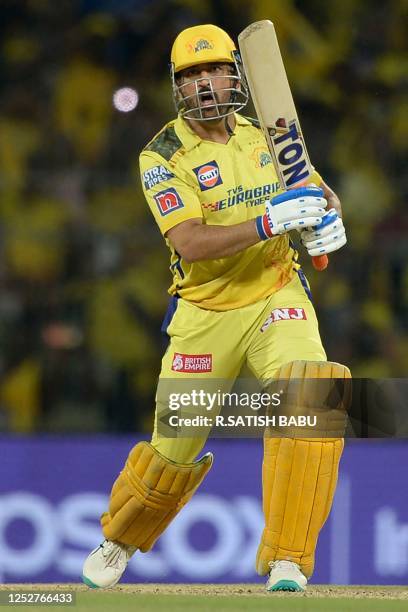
(104, 566)
(285, 576)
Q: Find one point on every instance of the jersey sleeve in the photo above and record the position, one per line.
(169, 197)
(315, 178)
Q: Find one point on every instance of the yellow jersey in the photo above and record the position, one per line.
(185, 177)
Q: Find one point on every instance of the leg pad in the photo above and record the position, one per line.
(299, 480)
(299, 477)
(148, 494)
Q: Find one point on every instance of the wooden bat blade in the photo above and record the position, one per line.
(273, 101)
(274, 106)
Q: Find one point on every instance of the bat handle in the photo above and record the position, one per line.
(320, 262)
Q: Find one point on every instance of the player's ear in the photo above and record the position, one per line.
(235, 83)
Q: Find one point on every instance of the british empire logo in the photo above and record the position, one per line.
(191, 363)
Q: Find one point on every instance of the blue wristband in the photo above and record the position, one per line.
(262, 227)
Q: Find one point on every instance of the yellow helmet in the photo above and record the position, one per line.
(201, 44)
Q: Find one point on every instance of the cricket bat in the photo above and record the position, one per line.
(274, 106)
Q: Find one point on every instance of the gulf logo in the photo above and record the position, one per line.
(208, 175)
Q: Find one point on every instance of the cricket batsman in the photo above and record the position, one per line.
(210, 184)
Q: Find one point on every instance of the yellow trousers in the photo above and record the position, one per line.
(217, 345)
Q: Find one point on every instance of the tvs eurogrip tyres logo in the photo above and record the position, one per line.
(208, 175)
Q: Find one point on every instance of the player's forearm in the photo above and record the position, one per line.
(296, 209)
(205, 242)
(332, 199)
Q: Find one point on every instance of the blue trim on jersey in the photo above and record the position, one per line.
(300, 192)
(305, 286)
(179, 268)
(177, 265)
(170, 312)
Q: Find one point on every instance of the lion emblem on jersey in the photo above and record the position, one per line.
(178, 363)
(261, 157)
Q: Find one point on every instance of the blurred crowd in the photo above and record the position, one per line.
(83, 269)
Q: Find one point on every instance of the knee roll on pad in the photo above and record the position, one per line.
(148, 494)
(299, 478)
(318, 392)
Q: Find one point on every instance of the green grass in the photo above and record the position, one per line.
(176, 603)
(127, 602)
(221, 598)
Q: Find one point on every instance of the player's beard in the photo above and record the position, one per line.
(223, 100)
(207, 101)
(209, 105)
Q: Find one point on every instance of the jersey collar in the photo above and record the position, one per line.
(190, 139)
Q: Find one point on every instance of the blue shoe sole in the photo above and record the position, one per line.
(286, 585)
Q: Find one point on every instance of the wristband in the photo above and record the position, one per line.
(262, 227)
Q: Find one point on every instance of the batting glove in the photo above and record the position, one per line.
(293, 209)
(326, 237)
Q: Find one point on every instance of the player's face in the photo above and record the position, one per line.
(207, 88)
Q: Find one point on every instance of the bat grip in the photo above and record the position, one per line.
(320, 262)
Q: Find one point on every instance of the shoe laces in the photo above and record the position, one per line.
(114, 552)
(283, 563)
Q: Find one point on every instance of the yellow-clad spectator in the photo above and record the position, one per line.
(34, 243)
(83, 106)
(20, 395)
